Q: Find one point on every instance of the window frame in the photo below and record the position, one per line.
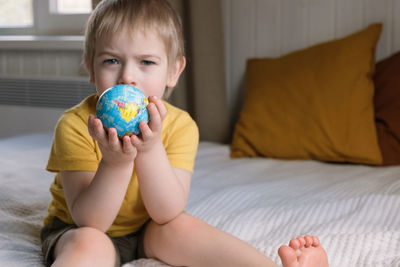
(47, 23)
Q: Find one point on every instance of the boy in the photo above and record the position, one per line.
(98, 215)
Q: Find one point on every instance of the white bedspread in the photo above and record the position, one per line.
(355, 210)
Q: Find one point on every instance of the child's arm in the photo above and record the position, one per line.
(164, 189)
(94, 199)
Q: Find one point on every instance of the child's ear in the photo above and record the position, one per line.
(176, 71)
(90, 71)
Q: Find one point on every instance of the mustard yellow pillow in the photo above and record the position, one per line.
(315, 103)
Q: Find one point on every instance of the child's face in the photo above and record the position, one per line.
(137, 59)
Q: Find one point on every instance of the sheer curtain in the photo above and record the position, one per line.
(201, 89)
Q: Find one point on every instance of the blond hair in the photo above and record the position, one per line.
(111, 16)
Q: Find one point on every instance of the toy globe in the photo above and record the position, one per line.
(122, 107)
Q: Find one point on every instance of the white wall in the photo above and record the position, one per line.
(271, 28)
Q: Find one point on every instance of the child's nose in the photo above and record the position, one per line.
(127, 76)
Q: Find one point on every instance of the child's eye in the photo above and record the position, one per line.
(111, 61)
(147, 62)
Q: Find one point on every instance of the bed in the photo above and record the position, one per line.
(354, 209)
(350, 202)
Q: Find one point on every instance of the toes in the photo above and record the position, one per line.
(316, 242)
(309, 240)
(295, 243)
(302, 241)
(301, 253)
(306, 241)
(288, 255)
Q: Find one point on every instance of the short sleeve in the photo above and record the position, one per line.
(73, 148)
(182, 141)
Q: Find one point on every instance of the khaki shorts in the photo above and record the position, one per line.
(128, 248)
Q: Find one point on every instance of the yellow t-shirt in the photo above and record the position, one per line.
(74, 149)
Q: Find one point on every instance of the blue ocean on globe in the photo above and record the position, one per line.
(122, 107)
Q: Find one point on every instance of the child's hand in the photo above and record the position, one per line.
(115, 152)
(151, 132)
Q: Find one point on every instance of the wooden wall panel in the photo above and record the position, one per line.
(349, 16)
(320, 21)
(50, 63)
(31, 64)
(381, 11)
(272, 28)
(241, 45)
(13, 63)
(293, 25)
(41, 64)
(267, 25)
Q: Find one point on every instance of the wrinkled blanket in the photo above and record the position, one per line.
(354, 209)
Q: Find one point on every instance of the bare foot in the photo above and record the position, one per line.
(303, 252)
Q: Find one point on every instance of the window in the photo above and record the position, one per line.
(44, 17)
(16, 13)
(71, 6)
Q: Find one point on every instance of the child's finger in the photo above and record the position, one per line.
(91, 125)
(135, 141)
(145, 130)
(162, 110)
(127, 146)
(96, 129)
(113, 140)
(155, 118)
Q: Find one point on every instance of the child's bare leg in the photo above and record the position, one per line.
(187, 241)
(84, 247)
(303, 252)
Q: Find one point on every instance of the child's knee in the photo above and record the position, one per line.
(87, 240)
(162, 241)
(182, 226)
